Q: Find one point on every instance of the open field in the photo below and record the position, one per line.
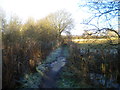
(96, 41)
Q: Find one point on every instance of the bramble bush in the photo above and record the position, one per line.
(24, 46)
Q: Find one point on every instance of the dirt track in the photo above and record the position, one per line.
(50, 77)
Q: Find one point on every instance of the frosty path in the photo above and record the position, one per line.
(50, 77)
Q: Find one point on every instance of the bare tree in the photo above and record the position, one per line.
(61, 21)
(104, 12)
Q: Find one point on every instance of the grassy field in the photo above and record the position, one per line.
(96, 41)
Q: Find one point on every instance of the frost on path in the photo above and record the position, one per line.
(49, 80)
(56, 66)
(54, 62)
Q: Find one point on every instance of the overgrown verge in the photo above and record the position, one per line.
(90, 68)
(24, 47)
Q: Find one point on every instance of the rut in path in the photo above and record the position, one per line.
(50, 77)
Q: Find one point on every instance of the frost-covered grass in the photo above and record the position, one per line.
(41, 68)
(66, 52)
(31, 80)
(66, 81)
(53, 55)
(70, 83)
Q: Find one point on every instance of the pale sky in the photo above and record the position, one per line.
(41, 8)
